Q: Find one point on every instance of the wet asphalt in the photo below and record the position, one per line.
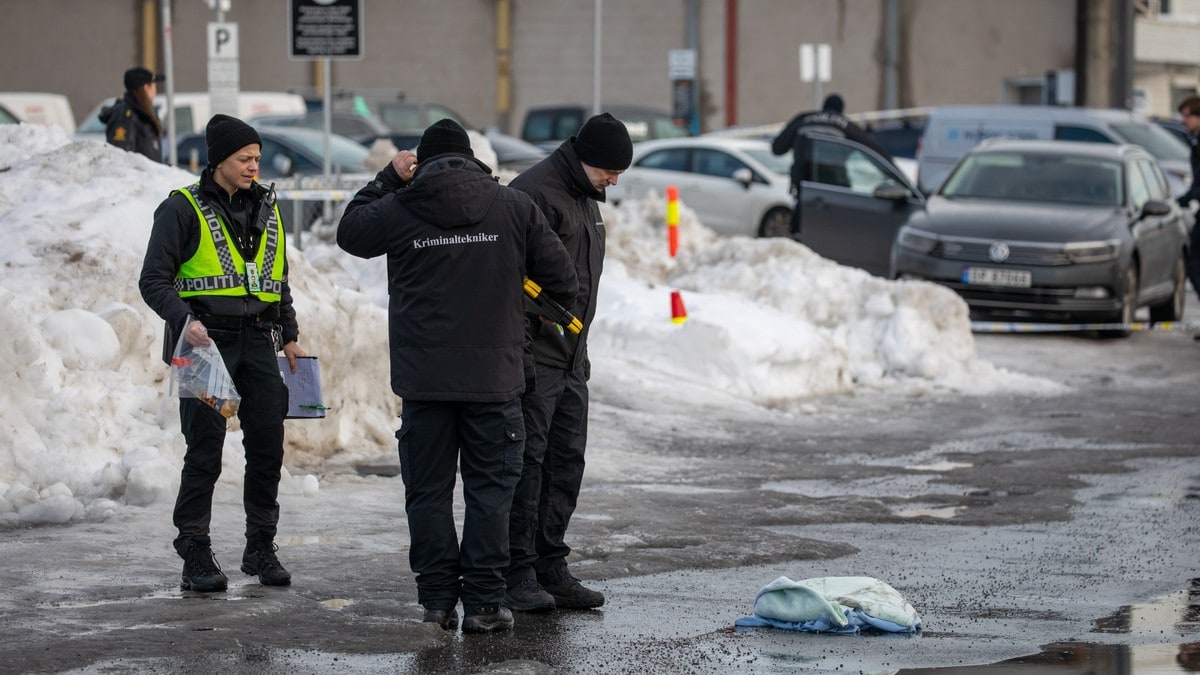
(1033, 533)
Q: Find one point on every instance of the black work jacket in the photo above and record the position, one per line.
(561, 189)
(131, 128)
(795, 137)
(174, 239)
(459, 246)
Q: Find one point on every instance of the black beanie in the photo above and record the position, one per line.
(834, 103)
(225, 135)
(603, 142)
(443, 136)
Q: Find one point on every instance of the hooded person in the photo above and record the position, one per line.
(830, 120)
(567, 186)
(216, 272)
(131, 123)
(459, 246)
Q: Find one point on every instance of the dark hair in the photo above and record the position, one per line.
(1190, 105)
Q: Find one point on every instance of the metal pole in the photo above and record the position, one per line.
(596, 58)
(169, 66)
(891, 55)
(327, 165)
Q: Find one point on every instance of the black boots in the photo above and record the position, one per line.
(200, 570)
(487, 619)
(259, 559)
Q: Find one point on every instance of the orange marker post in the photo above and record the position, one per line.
(678, 313)
(672, 220)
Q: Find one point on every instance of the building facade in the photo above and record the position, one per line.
(492, 59)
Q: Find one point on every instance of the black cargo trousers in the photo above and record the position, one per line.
(485, 441)
(250, 358)
(556, 414)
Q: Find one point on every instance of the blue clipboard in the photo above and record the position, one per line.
(304, 388)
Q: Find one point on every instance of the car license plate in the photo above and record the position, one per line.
(989, 276)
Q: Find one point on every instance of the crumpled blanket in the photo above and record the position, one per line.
(832, 605)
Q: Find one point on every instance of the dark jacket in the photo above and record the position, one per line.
(459, 246)
(174, 239)
(1193, 191)
(561, 189)
(795, 137)
(131, 128)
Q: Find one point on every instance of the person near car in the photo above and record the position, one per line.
(215, 270)
(459, 246)
(130, 123)
(1189, 110)
(567, 186)
(830, 120)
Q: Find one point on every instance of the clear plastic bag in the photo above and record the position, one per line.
(200, 372)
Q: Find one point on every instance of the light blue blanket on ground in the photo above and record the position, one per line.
(832, 605)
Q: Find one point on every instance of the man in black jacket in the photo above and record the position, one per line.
(130, 124)
(566, 186)
(829, 121)
(216, 256)
(459, 246)
(1189, 110)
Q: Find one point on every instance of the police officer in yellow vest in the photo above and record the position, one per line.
(216, 255)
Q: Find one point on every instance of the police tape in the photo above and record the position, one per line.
(1019, 327)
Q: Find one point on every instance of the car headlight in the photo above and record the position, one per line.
(1092, 251)
(916, 240)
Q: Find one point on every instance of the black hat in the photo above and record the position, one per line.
(226, 135)
(833, 103)
(140, 77)
(443, 136)
(603, 142)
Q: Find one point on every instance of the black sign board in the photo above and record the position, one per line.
(325, 29)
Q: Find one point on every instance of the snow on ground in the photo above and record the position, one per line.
(87, 427)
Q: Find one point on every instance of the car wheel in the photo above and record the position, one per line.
(777, 223)
(1172, 309)
(1129, 293)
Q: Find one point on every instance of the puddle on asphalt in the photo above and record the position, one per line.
(678, 489)
(1175, 615)
(944, 512)
(940, 466)
(1082, 657)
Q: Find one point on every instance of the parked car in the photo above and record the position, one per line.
(287, 151)
(512, 153)
(853, 202)
(7, 117)
(1053, 230)
(953, 130)
(548, 126)
(1175, 127)
(735, 186)
(40, 108)
(358, 127)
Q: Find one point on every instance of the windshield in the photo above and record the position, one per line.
(780, 164)
(1037, 177)
(1156, 140)
(342, 151)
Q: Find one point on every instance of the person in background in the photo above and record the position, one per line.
(567, 186)
(130, 123)
(1189, 110)
(459, 246)
(830, 120)
(216, 256)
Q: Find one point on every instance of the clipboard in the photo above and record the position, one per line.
(304, 388)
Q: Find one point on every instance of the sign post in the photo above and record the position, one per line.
(324, 30)
(816, 66)
(681, 68)
(224, 79)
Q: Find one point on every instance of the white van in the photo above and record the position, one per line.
(40, 108)
(953, 130)
(193, 109)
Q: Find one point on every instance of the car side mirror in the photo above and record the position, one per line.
(282, 164)
(892, 192)
(1155, 207)
(743, 176)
